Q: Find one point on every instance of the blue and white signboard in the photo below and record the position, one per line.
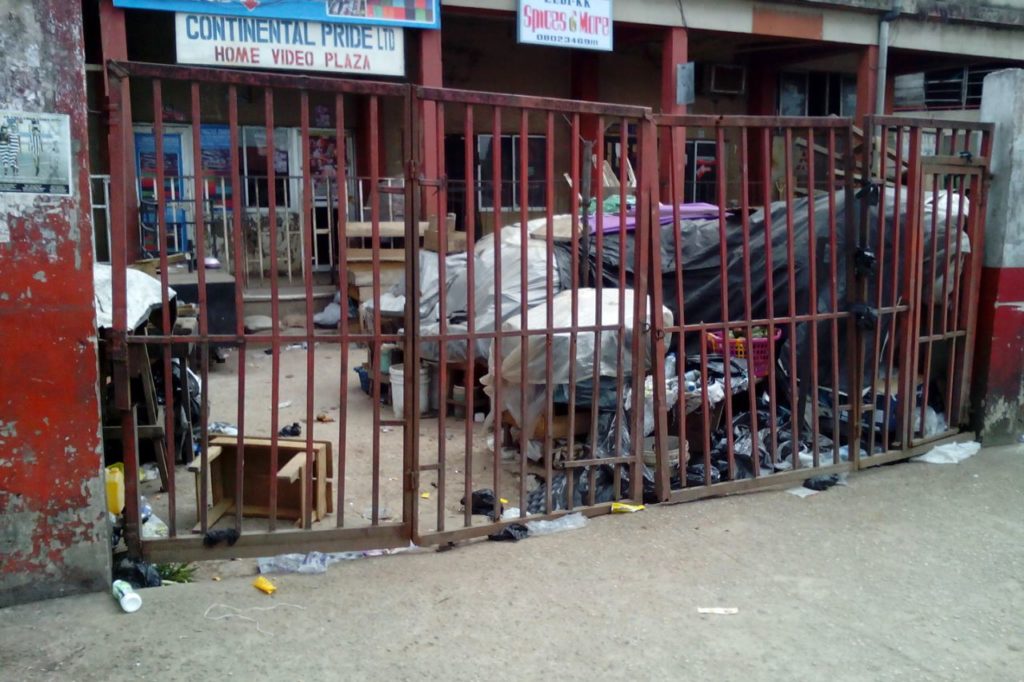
(294, 44)
(408, 13)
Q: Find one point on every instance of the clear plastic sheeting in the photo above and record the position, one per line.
(486, 300)
(563, 523)
(514, 355)
(392, 300)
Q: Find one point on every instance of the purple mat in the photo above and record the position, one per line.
(686, 212)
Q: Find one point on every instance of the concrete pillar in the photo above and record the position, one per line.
(998, 394)
(674, 51)
(54, 534)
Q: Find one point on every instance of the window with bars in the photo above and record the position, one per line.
(511, 182)
(939, 89)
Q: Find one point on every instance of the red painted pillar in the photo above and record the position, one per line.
(585, 85)
(431, 75)
(867, 83)
(674, 49)
(890, 94)
(762, 91)
(53, 521)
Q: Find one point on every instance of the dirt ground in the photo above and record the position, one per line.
(912, 572)
(358, 502)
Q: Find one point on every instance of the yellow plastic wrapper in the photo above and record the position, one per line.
(623, 508)
(264, 585)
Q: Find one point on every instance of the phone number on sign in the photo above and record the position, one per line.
(567, 40)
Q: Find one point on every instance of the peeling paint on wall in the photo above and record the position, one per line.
(54, 534)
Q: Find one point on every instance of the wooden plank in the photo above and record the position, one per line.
(292, 470)
(153, 432)
(361, 274)
(366, 255)
(263, 511)
(290, 444)
(215, 513)
(388, 229)
(321, 496)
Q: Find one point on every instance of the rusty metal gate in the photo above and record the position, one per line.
(930, 188)
(574, 329)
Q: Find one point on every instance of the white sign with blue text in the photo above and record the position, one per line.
(292, 44)
(585, 24)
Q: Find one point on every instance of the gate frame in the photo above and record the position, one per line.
(647, 290)
(249, 544)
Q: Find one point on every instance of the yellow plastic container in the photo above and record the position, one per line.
(115, 488)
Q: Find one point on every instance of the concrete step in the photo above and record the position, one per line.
(291, 300)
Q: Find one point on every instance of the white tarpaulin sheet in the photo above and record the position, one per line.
(588, 314)
(143, 296)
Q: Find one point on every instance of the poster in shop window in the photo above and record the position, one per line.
(35, 153)
(408, 13)
(583, 24)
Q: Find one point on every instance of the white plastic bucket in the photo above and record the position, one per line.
(397, 373)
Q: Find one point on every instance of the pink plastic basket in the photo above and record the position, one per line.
(760, 350)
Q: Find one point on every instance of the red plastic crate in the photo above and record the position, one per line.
(760, 350)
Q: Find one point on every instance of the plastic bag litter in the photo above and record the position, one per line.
(822, 483)
(330, 316)
(154, 527)
(484, 502)
(604, 490)
(950, 453)
(567, 522)
(801, 491)
(222, 429)
(934, 422)
(514, 532)
(510, 513)
(671, 393)
(149, 472)
(317, 562)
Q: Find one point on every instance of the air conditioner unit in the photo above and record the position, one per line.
(727, 79)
